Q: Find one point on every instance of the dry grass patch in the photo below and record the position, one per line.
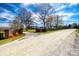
(3, 41)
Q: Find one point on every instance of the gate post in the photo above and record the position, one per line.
(6, 33)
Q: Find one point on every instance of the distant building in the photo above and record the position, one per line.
(5, 30)
(10, 28)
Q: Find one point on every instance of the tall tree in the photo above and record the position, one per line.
(25, 16)
(17, 25)
(49, 22)
(44, 10)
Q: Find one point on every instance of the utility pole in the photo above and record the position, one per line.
(57, 21)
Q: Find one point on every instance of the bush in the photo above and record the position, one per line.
(77, 30)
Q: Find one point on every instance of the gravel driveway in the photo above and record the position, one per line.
(54, 43)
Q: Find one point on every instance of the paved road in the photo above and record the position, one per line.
(54, 43)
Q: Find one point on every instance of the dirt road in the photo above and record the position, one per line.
(54, 43)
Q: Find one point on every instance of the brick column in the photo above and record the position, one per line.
(6, 33)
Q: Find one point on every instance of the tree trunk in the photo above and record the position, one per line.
(44, 27)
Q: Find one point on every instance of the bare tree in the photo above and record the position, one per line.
(50, 21)
(54, 21)
(44, 10)
(25, 16)
(17, 25)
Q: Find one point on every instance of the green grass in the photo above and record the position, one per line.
(77, 30)
(3, 41)
(29, 30)
(42, 33)
(47, 31)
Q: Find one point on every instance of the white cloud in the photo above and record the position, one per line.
(62, 13)
(39, 1)
(66, 16)
(26, 4)
(13, 6)
(35, 17)
(60, 8)
(70, 21)
(72, 4)
(5, 10)
(6, 15)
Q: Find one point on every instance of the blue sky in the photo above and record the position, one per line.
(70, 11)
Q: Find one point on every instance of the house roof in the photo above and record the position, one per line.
(4, 25)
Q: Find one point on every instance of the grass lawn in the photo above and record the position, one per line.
(77, 30)
(49, 31)
(34, 31)
(29, 30)
(3, 41)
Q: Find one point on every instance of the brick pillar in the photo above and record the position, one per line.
(6, 33)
